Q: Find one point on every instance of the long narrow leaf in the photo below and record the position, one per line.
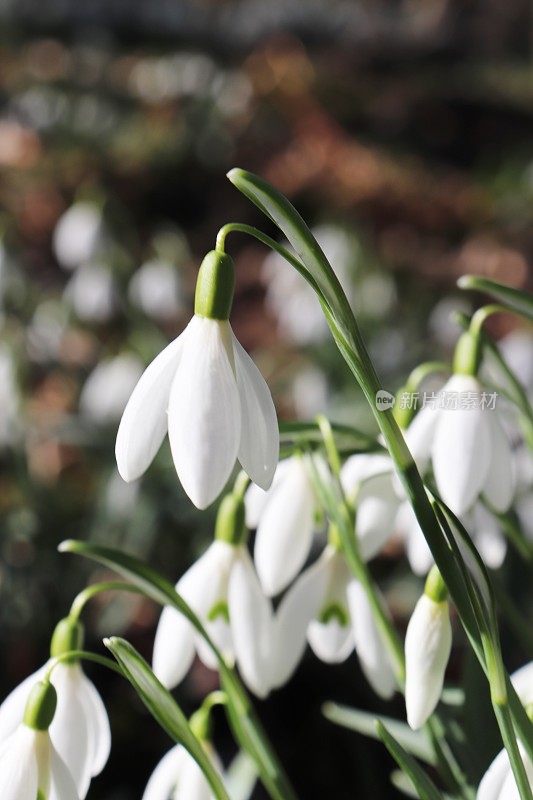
(515, 299)
(423, 784)
(164, 709)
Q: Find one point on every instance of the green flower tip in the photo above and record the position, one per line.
(234, 174)
(467, 354)
(215, 286)
(435, 587)
(41, 706)
(67, 636)
(466, 281)
(230, 525)
(200, 724)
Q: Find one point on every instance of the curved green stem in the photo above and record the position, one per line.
(82, 655)
(83, 597)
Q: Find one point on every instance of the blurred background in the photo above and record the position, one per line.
(403, 131)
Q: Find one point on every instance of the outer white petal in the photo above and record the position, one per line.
(63, 786)
(522, 681)
(376, 511)
(371, 651)
(494, 778)
(12, 709)
(204, 414)
(419, 435)
(299, 606)
(285, 530)
(144, 421)
(332, 641)
(461, 449)
(500, 481)
(428, 643)
(488, 536)
(259, 446)
(256, 499)
(251, 625)
(362, 466)
(70, 731)
(509, 790)
(416, 546)
(166, 774)
(99, 730)
(18, 767)
(191, 784)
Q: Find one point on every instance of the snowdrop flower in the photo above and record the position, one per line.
(91, 293)
(30, 766)
(285, 518)
(498, 782)
(428, 643)
(178, 777)
(219, 406)
(107, 389)
(78, 234)
(79, 730)
(223, 590)
(328, 608)
(9, 398)
(155, 289)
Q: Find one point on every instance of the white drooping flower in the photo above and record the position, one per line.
(467, 446)
(91, 293)
(328, 608)
(207, 392)
(107, 389)
(178, 777)
(223, 590)
(155, 289)
(80, 728)
(78, 234)
(285, 519)
(498, 782)
(428, 643)
(30, 766)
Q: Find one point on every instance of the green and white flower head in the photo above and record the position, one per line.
(223, 590)
(79, 730)
(30, 766)
(428, 644)
(498, 782)
(208, 394)
(328, 608)
(285, 519)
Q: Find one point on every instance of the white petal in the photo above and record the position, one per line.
(362, 466)
(428, 643)
(500, 482)
(165, 776)
(522, 681)
(251, 625)
(416, 546)
(419, 435)
(204, 421)
(299, 606)
(99, 730)
(494, 778)
(331, 639)
(259, 446)
(255, 499)
(18, 767)
(69, 731)
(63, 786)
(461, 450)
(377, 506)
(369, 646)
(487, 536)
(144, 422)
(285, 531)
(12, 709)
(192, 785)
(509, 790)
(331, 642)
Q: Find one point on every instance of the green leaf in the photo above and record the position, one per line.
(415, 742)
(164, 709)
(515, 300)
(423, 784)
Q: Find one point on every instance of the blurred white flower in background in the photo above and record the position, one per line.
(91, 293)
(108, 388)
(155, 289)
(9, 398)
(46, 330)
(516, 348)
(441, 322)
(310, 393)
(178, 776)
(79, 234)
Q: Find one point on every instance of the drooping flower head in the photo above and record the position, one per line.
(205, 390)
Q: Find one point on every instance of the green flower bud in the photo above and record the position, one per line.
(230, 525)
(215, 286)
(403, 415)
(467, 356)
(67, 636)
(200, 723)
(435, 587)
(41, 706)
